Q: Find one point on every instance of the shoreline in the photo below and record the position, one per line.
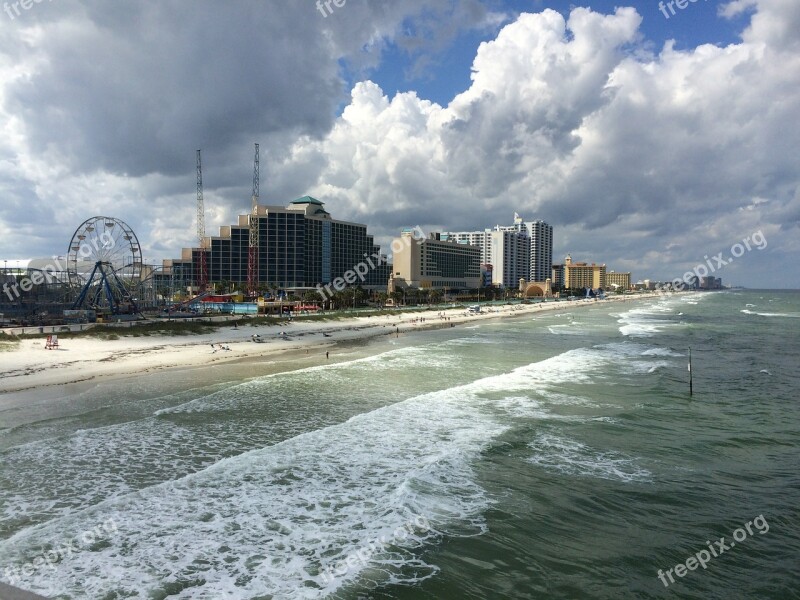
(87, 361)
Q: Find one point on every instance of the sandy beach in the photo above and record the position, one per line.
(29, 366)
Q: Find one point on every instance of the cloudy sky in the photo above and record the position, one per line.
(649, 140)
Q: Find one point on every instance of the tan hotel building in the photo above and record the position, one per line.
(620, 280)
(579, 275)
(434, 263)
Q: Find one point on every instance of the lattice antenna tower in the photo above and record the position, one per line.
(201, 228)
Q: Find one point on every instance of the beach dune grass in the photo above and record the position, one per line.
(184, 327)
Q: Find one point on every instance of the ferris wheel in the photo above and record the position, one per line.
(104, 254)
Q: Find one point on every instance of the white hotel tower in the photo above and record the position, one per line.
(523, 250)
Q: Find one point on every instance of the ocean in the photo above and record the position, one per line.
(556, 455)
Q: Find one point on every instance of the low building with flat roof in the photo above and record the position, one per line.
(618, 280)
(434, 263)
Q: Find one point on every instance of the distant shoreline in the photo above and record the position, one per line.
(30, 368)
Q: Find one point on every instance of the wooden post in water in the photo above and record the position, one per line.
(690, 371)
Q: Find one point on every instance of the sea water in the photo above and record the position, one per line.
(554, 455)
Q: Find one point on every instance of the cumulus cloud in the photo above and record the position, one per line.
(644, 162)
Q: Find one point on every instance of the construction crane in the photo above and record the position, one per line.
(252, 253)
(202, 282)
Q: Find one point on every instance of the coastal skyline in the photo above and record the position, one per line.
(647, 154)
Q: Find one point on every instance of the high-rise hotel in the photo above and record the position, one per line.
(300, 246)
(523, 250)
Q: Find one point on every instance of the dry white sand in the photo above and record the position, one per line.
(29, 365)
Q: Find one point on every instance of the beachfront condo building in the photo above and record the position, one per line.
(511, 255)
(578, 275)
(711, 283)
(504, 247)
(618, 280)
(300, 246)
(541, 235)
(435, 262)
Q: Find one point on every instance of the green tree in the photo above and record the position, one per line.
(311, 297)
(339, 299)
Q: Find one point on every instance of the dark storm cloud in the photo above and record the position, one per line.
(129, 89)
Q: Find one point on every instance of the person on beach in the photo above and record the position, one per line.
(326, 354)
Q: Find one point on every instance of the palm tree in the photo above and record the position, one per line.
(360, 296)
(340, 299)
(396, 296)
(310, 297)
(412, 294)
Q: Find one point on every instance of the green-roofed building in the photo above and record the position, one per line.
(307, 200)
(300, 246)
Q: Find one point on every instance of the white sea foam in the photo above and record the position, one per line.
(530, 408)
(269, 521)
(567, 329)
(764, 314)
(474, 339)
(415, 357)
(571, 457)
(644, 321)
(661, 352)
(53, 477)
